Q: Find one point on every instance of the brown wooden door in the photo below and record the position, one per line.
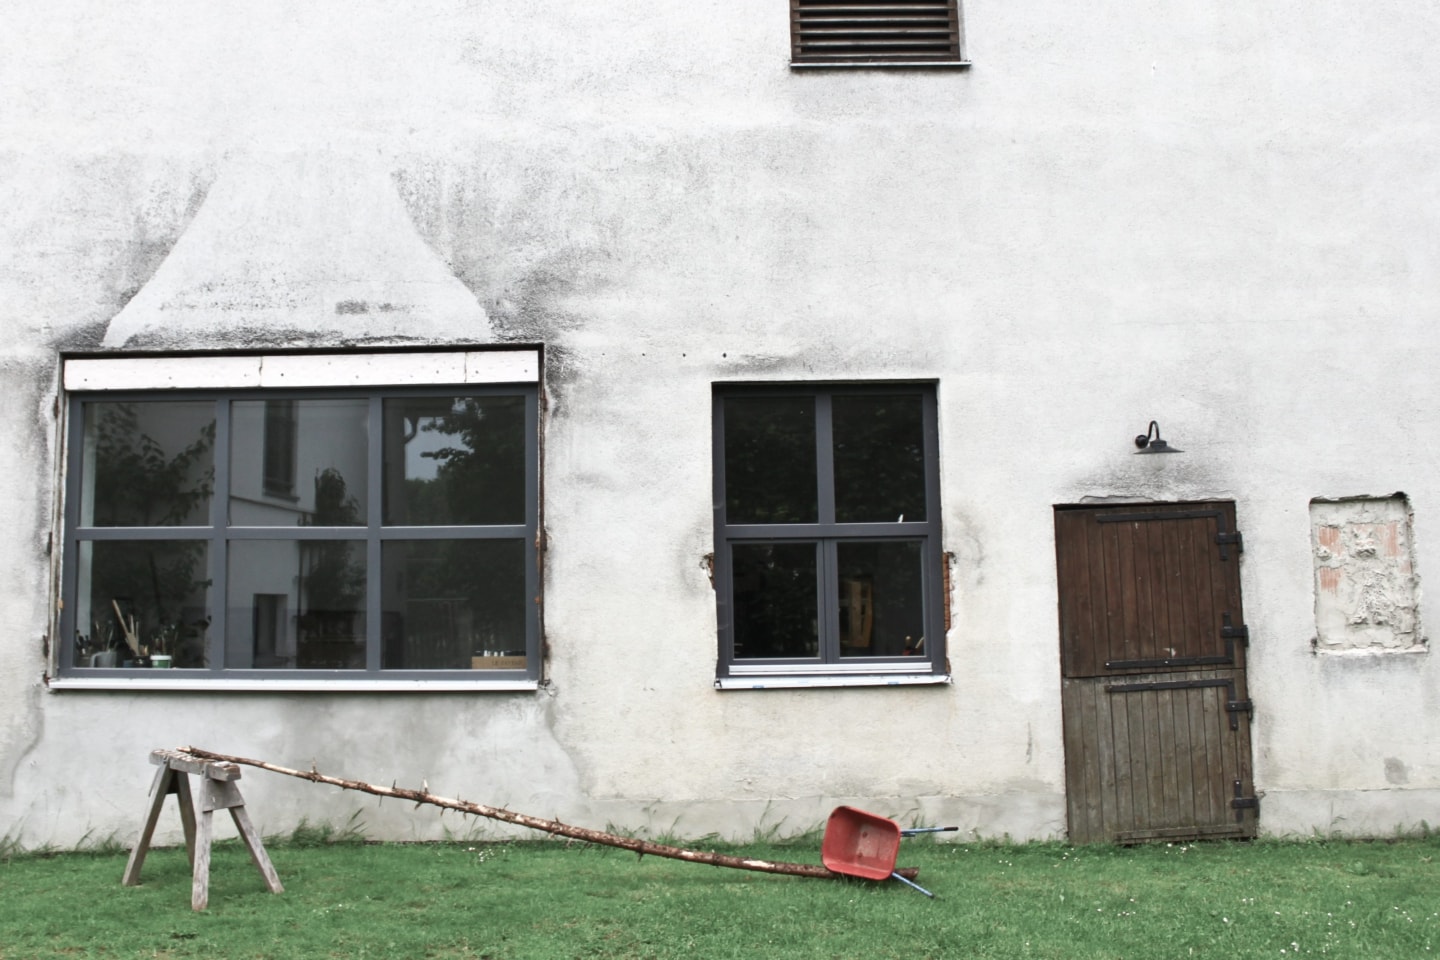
(1152, 650)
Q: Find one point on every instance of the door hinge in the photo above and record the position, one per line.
(1229, 631)
(1241, 803)
(1230, 539)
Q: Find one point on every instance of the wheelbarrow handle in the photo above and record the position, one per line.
(912, 883)
(911, 831)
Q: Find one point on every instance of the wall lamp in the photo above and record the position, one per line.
(1150, 442)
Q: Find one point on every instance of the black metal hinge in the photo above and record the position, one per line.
(1229, 631)
(1241, 803)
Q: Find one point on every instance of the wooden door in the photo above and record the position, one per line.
(1152, 649)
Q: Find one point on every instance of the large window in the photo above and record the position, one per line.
(828, 561)
(381, 530)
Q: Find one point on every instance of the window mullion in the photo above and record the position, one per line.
(374, 517)
(829, 591)
(824, 458)
(215, 635)
(829, 598)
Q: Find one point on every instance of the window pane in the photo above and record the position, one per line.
(148, 464)
(139, 598)
(296, 604)
(455, 460)
(882, 613)
(454, 604)
(770, 460)
(879, 458)
(775, 600)
(298, 462)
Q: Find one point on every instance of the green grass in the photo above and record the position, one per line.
(544, 899)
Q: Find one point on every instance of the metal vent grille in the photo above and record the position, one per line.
(874, 31)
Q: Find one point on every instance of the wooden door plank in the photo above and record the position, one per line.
(1201, 779)
(1183, 753)
(1114, 594)
(1078, 638)
(1125, 818)
(1167, 743)
(1108, 784)
(1079, 734)
(1131, 646)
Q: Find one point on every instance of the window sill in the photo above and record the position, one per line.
(882, 64)
(264, 685)
(800, 681)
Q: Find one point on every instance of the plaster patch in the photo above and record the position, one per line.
(1366, 587)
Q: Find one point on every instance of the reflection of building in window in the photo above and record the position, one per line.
(279, 448)
(270, 629)
(827, 526)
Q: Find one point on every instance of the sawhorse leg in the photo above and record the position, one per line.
(166, 782)
(225, 795)
(218, 792)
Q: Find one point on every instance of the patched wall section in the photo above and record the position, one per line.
(1367, 592)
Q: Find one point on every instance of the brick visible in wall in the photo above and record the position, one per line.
(1366, 588)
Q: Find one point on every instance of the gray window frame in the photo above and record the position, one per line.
(218, 533)
(929, 667)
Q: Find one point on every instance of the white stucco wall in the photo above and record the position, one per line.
(1221, 220)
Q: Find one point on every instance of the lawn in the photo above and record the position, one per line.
(547, 899)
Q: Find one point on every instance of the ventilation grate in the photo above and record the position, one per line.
(874, 31)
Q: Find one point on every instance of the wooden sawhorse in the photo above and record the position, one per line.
(218, 791)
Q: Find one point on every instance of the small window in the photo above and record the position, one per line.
(828, 560)
(874, 32)
(381, 530)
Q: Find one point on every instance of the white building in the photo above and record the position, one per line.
(613, 413)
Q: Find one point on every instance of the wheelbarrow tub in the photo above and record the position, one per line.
(860, 844)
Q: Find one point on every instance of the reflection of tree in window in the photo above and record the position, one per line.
(332, 580)
(463, 461)
(137, 481)
(770, 460)
(775, 600)
(879, 459)
(141, 482)
(455, 462)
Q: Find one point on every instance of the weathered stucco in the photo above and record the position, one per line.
(1118, 214)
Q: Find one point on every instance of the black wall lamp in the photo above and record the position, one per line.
(1150, 442)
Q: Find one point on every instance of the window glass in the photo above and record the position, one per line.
(770, 460)
(775, 600)
(882, 613)
(454, 604)
(879, 458)
(299, 462)
(296, 604)
(455, 460)
(138, 599)
(147, 464)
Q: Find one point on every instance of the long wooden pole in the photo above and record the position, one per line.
(554, 827)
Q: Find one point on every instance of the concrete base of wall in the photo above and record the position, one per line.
(1349, 813)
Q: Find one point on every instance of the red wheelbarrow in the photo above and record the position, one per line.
(865, 845)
